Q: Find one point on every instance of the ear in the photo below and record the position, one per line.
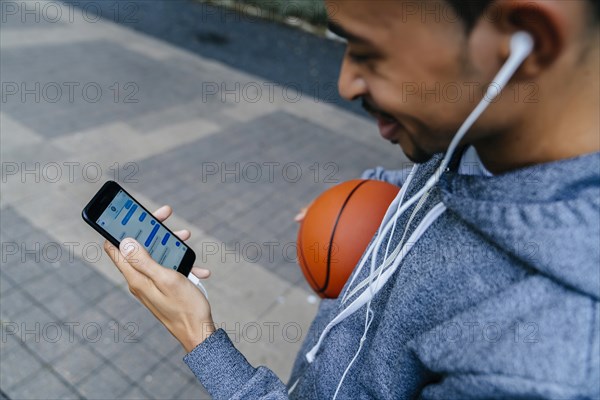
(542, 19)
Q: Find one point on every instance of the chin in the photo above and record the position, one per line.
(417, 156)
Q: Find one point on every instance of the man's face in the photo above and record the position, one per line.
(408, 61)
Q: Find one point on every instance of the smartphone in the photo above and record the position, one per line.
(115, 214)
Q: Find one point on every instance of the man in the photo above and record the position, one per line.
(499, 297)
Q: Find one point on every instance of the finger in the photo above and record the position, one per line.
(122, 265)
(138, 258)
(163, 213)
(139, 284)
(300, 216)
(201, 273)
(183, 234)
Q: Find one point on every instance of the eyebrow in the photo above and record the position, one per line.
(343, 33)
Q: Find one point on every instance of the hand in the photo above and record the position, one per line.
(171, 297)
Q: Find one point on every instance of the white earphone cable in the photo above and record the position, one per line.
(395, 204)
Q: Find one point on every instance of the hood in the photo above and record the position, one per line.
(547, 216)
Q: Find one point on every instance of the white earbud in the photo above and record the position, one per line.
(521, 46)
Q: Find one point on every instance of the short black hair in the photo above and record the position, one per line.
(470, 10)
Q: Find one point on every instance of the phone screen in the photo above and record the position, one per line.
(124, 217)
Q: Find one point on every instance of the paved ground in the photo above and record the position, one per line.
(272, 51)
(85, 100)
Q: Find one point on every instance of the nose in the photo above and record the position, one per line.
(350, 83)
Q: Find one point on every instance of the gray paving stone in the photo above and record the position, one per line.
(23, 268)
(138, 323)
(67, 305)
(94, 288)
(43, 385)
(4, 237)
(205, 219)
(194, 391)
(105, 63)
(55, 341)
(164, 382)
(105, 383)
(74, 272)
(117, 302)
(78, 363)
(17, 364)
(9, 341)
(137, 361)
(303, 284)
(14, 303)
(35, 313)
(34, 156)
(108, 346)
(176, 359)
(46, 286)
(45, 335)
(38, 330)
(12, 225)
(160, 341)
(116, 339)
(94, 317)
(28, 16)
(136, 393)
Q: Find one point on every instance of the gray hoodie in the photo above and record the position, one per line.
(498, 299)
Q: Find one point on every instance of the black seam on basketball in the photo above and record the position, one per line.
(303, 261)
(333, 234)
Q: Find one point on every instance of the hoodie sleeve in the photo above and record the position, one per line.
(226, 374)
(395, 177)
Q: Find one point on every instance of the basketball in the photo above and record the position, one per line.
(337, 229)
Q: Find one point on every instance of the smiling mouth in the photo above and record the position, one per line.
(387, 124)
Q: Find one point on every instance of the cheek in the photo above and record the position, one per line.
(432, 99)
(482, 58)
(421, 89)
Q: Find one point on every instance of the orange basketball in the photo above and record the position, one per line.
(337, 229)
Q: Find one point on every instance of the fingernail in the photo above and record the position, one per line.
(127, 246)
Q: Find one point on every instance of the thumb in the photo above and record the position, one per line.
(139, 258)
